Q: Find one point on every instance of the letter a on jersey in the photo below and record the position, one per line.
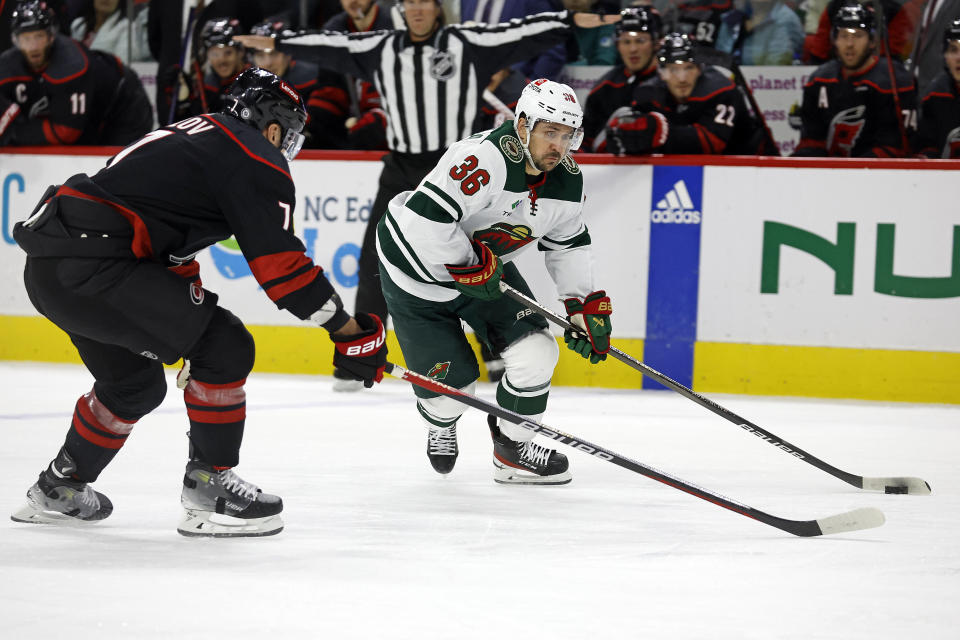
(822, 101)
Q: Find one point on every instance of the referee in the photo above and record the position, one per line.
(430, 78)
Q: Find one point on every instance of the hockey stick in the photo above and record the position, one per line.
(866, 518)
(896, 484)
(885, 41)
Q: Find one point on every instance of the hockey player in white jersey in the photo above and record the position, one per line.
(444, 249)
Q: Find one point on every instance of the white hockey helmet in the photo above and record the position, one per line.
(552, 102)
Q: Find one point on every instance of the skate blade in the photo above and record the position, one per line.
(30, 515)
(206, 524)
(509, 475)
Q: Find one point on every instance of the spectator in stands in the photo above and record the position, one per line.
(350, 105)
(699, 19)
(765, 32)
(595, 46)
(939, 131)
(225, 59)
(850, 107)
(104, 26)
(926, 58)
(901, 19)
(55, 91)
(637, 36)
(690, 108)
(548, 64)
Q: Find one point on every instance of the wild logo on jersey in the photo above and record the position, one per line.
(511, 148)
(503, 238)
(845, 128)
(439, 371)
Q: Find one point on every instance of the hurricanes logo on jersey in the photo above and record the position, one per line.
(439, 371)
(845, 129)
(502, 238)
(951, 149)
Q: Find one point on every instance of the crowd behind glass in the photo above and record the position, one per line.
(345, 111)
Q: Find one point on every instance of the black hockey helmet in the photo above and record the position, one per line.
(260, 99)
(219, 33)
(33, 15)
(640, 20)
(951, 33)
(676, 47)
(853, 15)
(269, 28)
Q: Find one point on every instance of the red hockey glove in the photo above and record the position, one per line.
(479, 280)
(592, 317)
(363, 355)
(632, 132)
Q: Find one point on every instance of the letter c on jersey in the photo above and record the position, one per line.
(13, 177)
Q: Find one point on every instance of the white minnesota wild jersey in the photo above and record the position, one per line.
(479, 190)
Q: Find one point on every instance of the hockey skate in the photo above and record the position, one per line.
(525, 462)
(442, 448)
(56, 498)
(219, 504)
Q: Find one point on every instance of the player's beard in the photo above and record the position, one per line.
(858, 62)
(541, 163)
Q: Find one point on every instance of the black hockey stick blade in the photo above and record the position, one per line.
(855, 520)
(893, 484)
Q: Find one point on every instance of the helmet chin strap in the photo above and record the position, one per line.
(526, 144)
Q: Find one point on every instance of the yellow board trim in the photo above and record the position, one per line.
(820, 372)
(827, 372)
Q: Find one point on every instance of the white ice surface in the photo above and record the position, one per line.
(377, 545)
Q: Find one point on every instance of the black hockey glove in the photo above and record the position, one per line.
(592, 316)
(481, 280)
(363, 355)
(631, 132)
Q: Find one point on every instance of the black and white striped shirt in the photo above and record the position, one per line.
(431, 90)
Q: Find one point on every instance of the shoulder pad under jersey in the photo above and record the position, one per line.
(68, 60)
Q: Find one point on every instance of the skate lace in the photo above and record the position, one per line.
(443, 442)
(88, 498)
(535, 453)
(235, 484)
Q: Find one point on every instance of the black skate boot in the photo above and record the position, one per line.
(57, 498)
(442, 447)
(219, 504)
(525, 462)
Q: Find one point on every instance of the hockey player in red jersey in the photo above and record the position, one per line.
(938, 135)
(690, 108)
(55, 91)
(850, 106)
(110, 260)
(638, 36)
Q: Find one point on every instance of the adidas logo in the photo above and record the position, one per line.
(676, 207)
